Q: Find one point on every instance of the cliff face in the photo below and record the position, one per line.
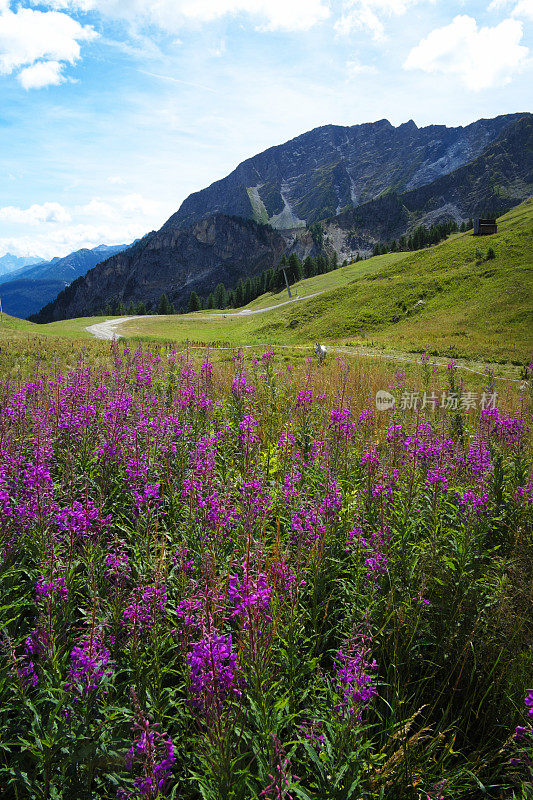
(216, 249)
(320, 173)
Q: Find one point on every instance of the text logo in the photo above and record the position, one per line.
(384, 400)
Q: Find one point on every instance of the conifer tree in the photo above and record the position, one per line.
(220, 296)
(194, 303)
(164, 306)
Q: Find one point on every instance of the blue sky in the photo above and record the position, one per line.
(113, 111)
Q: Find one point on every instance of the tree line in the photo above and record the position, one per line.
(422, 237)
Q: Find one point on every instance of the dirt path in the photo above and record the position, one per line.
(108, 330)
(249, 311)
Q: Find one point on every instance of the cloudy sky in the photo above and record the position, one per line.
(113, 111)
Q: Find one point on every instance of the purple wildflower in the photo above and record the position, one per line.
(213, 666)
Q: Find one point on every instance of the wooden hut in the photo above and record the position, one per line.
(485, 227)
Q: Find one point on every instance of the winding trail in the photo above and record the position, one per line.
(108, 330)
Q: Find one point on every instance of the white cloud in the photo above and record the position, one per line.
(170, 15)
(355, 68)
(524, 8)
(42, 42)
(52, 230)
(368, 15)
(40, 74)
(480, 57)
(35, 214)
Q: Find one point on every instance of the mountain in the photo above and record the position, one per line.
(320, 173)
(10, 263)
(340, 188)
(213, 250)
(27, 289)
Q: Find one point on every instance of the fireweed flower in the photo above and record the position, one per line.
(529, 703)
(366, 418)
(394, 433)
(523, 737)
(267, 356)
(452, 367)
(240, 388)
(255, 498)
(341, 422)
(353, 681)
(51, 589)
(371, 459)
(249, 594)
(82, 521)
(185, 563)
(148, 602)
(304, 399)
(372, 549)
(22, 666)
(286, 441)
(474, 501)
(213, 668)
(116, 567)
(307, 526)
(90, 666)
(277, 788)
(247, 428)
(153, 753)
(436, 479)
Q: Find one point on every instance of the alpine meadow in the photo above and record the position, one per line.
(266, 400)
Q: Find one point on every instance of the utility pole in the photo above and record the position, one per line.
(287, 282)
(1, 312)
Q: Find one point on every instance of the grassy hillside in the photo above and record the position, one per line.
(468, 306)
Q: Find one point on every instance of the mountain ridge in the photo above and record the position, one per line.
(321, 171)
(220, 247)
(9, 263)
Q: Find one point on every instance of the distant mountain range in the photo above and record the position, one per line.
(26, 289)
(359, 184)
(10, 263)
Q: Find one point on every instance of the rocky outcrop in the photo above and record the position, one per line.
(216, 249)
(489, 185)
